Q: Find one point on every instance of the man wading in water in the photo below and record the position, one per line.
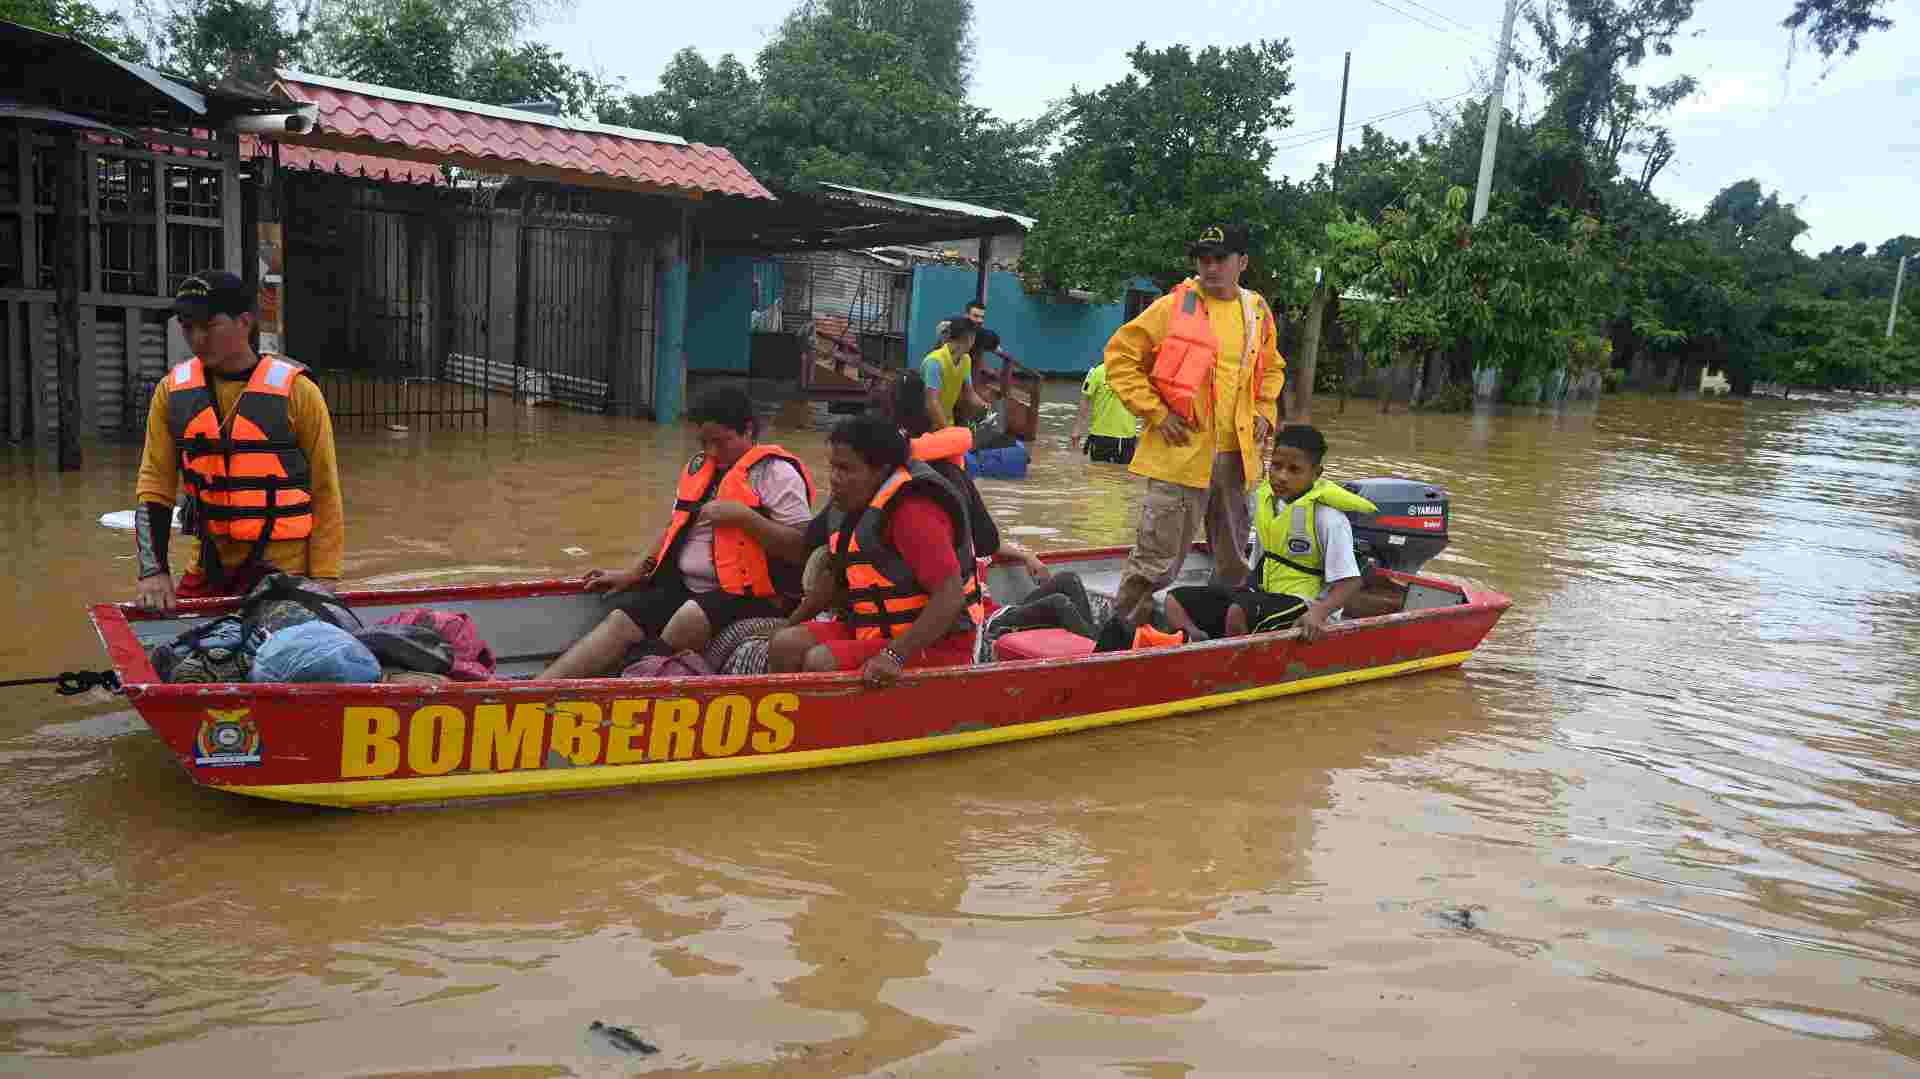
(250, 439)
(1203, 368)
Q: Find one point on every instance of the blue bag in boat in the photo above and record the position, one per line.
(314, 652)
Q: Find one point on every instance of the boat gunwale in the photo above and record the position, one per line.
(113, 623)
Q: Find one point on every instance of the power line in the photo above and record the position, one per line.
(1480, 45)
(1307, 138)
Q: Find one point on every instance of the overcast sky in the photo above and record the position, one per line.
(1842, 141)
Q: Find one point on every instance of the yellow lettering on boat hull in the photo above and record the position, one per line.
(438, 739)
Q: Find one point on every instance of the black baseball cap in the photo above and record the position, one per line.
(210, 293)
(1220, 240)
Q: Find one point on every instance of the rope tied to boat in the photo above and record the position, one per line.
(71, 683)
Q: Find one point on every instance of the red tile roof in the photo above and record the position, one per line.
(361, 117)
(392, 169)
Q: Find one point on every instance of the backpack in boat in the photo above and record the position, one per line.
(282, 600)
(472, 658)
(218, 650)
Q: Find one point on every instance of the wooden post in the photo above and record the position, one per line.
(71, 241)
(986, 260)
(670, 341)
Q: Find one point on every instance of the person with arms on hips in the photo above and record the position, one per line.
(1304, 568)
(1105, 431)
(730, 550)
(1202, 368)
(901, 561)
(248, 439)
(948, 373)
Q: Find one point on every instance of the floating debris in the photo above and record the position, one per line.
(577, 552)
(623, 1039)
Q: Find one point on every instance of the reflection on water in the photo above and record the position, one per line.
(1666, 813)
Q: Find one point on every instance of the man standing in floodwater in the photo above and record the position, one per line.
(1202, 367)
(250, 439)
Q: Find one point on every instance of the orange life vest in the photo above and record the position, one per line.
(946, 444)
(1146, 636)
(738, 561)
(883, 596)
(247, 477)
(1183, 367)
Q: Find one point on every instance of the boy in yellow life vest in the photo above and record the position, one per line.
(948, 373)
(1303, 564)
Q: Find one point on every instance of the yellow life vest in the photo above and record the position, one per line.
(1292, 563)
(954, 373)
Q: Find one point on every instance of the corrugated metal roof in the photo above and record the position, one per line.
(487, 137)
(933, 203)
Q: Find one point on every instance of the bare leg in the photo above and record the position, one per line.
(820, 658)
(1178, 619)
(600, 651)
(787, 652)
(1236, 621)
(688, 630)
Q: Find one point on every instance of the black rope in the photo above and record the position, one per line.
(71, 683)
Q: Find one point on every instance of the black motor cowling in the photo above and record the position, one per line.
(1407, 530)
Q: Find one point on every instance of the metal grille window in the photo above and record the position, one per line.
(190, 249)
(193, 191)
(127, 196)
(126, 186)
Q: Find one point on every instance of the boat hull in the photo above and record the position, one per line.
(377, 746)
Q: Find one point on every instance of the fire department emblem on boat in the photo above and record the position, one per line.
(227, 740)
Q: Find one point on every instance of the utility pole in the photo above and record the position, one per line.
(1340, 133)
(1898, 277)
(1496, 102)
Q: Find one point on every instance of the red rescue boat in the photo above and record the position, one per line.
(382, 746)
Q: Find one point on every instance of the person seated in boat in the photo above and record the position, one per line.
(902, 557)
(948, 374)
(1306, 573)
(945, 450)
(731, 549)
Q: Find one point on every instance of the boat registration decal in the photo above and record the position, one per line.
(438, 739)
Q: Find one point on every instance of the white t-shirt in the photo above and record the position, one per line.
(1333, 532)
(781, 491)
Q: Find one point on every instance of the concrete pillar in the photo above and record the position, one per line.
(670, 346)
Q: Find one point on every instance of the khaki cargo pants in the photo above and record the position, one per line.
(1170, 517)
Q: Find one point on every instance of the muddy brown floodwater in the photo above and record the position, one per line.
(1675, 794)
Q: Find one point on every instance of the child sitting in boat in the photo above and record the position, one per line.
(1305, 573)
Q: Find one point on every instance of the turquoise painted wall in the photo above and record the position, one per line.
(720, 299)
(1055, 338)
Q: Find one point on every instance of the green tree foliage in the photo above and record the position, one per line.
(104, 30)
(1183, 141)
(1837, 25)
(865, 92)
(232, 42)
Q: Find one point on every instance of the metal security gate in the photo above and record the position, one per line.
(586, 324)
(386, 286)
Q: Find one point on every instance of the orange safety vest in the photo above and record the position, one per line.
(738, 561)
(946, 444)
(1146, 636)
(883, 596)
(1183, 367)
(248, 477)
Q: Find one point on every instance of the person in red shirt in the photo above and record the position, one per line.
(924, 524)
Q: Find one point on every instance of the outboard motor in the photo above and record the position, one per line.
(1409, 529)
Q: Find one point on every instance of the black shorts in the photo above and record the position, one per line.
(1109, 450)
(651, 607)
(1266, 611)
